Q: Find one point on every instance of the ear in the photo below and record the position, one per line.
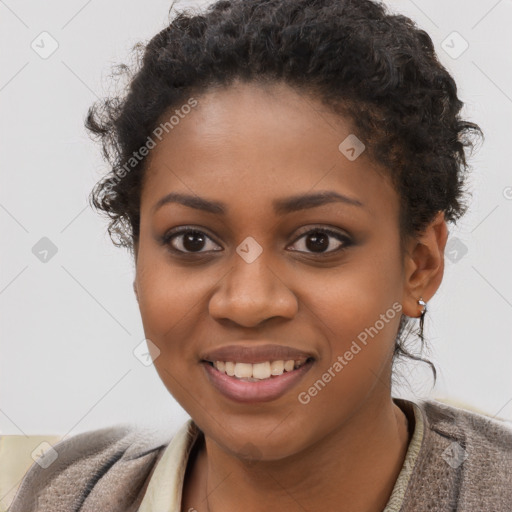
(424, 265)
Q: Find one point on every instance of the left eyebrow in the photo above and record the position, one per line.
(280, 206)
(302, 202)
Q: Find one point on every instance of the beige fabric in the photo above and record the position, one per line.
(397, 495)
(165, 487)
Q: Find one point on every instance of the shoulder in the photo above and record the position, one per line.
(481, 432)
(472, 452)
(111, 463)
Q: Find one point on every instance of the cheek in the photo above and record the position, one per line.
(169, 302)
(164, 296)
(165, 299)
(359, 310)
(359, 319)
(354, 295)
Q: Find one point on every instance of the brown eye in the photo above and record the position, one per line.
(320, 240)
(187, 241)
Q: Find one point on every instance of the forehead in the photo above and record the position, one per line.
(257, 143)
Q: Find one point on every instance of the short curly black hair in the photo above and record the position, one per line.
(374, 67)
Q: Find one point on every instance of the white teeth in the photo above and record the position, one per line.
(289, 365)
(230, 368)
(276, 367)
(243, 370)
(261, 370)
(257, 371)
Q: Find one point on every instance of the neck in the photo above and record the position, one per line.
(356, 465)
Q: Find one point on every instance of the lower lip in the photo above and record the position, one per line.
(250, 392)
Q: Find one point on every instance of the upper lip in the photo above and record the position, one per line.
(254, 353)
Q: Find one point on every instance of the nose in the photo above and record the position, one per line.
(251, 293)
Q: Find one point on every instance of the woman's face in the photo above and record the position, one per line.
(253, 285)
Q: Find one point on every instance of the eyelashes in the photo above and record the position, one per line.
(178, 239)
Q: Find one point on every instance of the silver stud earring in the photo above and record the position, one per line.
(421, 302)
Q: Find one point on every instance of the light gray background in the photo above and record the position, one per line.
(69, 326)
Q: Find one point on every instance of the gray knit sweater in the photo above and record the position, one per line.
(464, 464)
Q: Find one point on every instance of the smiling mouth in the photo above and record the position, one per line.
(256, 372)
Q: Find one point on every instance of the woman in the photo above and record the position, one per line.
(283, 173)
